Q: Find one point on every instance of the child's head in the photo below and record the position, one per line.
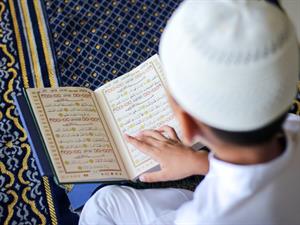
(231, 66)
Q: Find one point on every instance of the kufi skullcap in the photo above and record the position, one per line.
(232, 64)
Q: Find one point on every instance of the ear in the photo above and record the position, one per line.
(191, 128)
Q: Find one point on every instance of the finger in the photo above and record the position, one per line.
(154, 176)
(155, 143)
(170, 132)
(153, 133)
(142, 146)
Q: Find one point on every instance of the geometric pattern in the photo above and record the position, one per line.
(97, 41)
(26, 60)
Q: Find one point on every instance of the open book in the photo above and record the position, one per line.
(82, 131)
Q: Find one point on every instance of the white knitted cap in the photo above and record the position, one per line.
(232, 64)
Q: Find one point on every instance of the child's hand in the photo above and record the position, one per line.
(176, 160)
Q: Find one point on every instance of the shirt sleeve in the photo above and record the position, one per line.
(292, 123)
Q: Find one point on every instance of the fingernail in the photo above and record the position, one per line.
(127, 136)
(142, 178)
(139, 134)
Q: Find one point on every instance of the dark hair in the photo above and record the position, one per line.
(276, 3)
(254, 137)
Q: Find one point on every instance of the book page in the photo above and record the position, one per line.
(137, 101)
(78, 142)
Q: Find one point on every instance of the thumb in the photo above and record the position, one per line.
(154, 176)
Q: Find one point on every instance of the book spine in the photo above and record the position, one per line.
(34, 138)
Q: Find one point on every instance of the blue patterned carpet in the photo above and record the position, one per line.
(65, 43)
(26, 60)
(96, 41)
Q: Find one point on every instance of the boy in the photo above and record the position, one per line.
(232, 69)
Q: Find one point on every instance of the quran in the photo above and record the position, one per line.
(77, 135)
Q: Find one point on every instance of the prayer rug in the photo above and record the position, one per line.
(65, 43)
(26, 60)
